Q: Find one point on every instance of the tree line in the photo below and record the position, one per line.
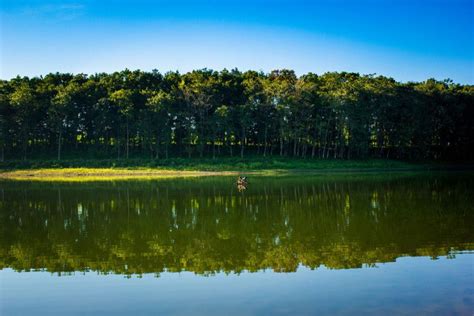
(337, 115)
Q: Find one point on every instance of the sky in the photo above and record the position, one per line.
(409, 40)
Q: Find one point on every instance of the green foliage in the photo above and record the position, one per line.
(205, 113)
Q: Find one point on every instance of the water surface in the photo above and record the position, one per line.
(345, 244)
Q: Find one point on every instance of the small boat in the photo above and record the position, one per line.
(242, 181)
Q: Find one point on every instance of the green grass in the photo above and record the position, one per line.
(101, 174)
(209, 164)
(88, 169)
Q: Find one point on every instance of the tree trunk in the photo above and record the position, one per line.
(326, 140)
(59, 144)
(157, 147)
(126, 148)
(118, 147)
(106, 143)
(295, 144)
(265, 142)
(242, 143)
(25, 144)
(281, 146)
(214, 148)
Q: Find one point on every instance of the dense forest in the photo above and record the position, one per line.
(206, 113)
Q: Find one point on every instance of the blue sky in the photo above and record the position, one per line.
(408, 40)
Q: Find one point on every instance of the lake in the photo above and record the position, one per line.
(393, 243)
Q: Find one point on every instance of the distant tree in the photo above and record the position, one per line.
(281, 92)
(61, 104)
(123, 99)
(23, 101)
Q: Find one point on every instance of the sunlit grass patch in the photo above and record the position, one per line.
(91, 170)
(103, 174)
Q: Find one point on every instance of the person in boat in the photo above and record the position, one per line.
(242, 180)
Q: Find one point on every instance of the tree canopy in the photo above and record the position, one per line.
(336, 115)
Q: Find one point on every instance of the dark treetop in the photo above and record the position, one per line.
(209, 113)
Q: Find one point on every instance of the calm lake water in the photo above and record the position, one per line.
(344, 244)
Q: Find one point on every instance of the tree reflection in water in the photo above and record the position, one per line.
(207, 226)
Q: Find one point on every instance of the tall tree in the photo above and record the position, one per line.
(23, 102)
(123, 99)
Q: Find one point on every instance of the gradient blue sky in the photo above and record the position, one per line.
(409, 40)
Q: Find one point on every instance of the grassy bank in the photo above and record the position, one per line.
(98, 174)
(209, 164)
(80, 170)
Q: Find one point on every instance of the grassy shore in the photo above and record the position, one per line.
(98, 174)
(83, 170)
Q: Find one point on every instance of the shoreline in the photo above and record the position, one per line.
(111, 174)
(103, 174)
